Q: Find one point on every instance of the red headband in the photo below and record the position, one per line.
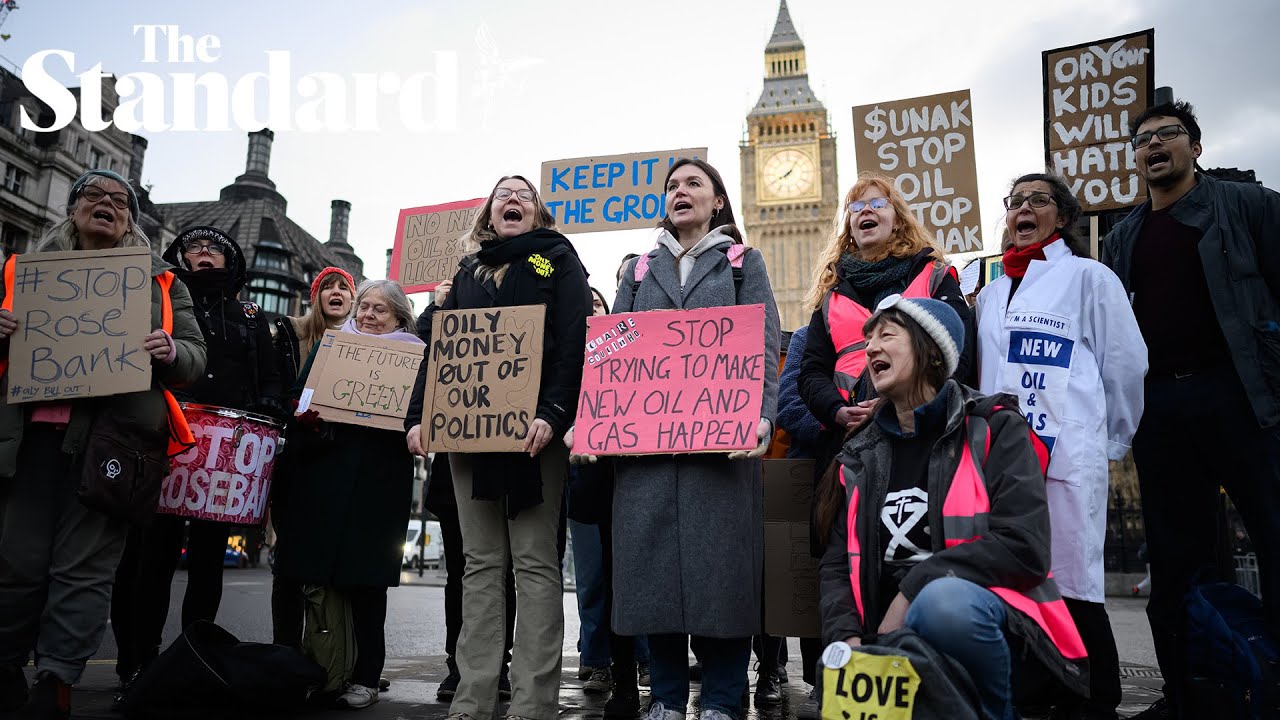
(320, 276)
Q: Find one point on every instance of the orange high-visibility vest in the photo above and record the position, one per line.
(964, 519)
(180, 437)
(844, 319)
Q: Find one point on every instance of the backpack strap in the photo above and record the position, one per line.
(249, 335)
(735, 253)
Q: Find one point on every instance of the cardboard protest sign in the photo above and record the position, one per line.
(226, 475)
(926, 145)
(612, 192)
(1091, 91)
(790, 572)
(427, 247)
(483, 378)
(82, 317)
(672, 381)
(361, 380)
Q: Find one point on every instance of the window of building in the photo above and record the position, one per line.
(95, 158)
(271, 259)
(14, 239)
(273, 296)
(14, 179)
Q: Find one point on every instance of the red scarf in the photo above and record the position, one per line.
(1016, 260)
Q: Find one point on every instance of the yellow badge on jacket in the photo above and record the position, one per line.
(541, 265)
(870, 687)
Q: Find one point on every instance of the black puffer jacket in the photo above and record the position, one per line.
(242, 371)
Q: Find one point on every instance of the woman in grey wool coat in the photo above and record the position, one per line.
(687, 540)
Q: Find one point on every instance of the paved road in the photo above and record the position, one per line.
(415, 645)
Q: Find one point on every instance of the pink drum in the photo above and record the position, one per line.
(227, 475)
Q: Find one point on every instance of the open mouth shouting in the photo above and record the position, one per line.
(104, 215)
(1157, 160)
(879, 366)
(1026, 229)
(868, 224)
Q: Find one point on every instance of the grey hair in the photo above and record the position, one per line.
(64, 236)
(394, 294)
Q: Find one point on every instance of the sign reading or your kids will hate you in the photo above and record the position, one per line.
(613, 192)
(483, 377)
(1091, 92)
(926, 145)
(82, 317)
(430, 240)
(672, 381)
(361, 380)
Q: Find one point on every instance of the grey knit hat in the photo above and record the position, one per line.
(78, 186)
(938, 319)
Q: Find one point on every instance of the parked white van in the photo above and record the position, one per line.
(434, 544)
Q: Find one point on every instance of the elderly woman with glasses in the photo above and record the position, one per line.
(58, 556)
(1057, 332)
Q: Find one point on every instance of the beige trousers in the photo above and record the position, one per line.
(487, 537)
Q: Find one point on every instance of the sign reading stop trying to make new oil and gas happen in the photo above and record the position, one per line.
(926, 145)
(672, 381)
(1091, 92)
(611, 192)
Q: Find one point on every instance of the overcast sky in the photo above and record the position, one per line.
(569, 78)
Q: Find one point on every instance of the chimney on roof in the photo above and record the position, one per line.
(259, 159)
(135, 160)
(339, 212)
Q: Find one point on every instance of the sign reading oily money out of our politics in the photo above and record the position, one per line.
(483, 377)
(613, 192)
(926, 145)
(361, 380)
(1091, 92)
(672, 381)
(82, 317)
(429, 243)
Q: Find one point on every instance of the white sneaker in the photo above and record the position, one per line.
(714, 715)
(657, 711)
(357, 696)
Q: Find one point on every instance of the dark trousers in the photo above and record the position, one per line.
(724, 671)
(368, 621)
(1199, 432)
(158, 552)
(1104, 663)
(622, 648)
(455, 564)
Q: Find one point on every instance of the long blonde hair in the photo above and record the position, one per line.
(907, 239)
(311, 327)
(63, 235)
(482, 231)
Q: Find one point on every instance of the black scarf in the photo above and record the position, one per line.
(209, 284)
(874, 281)
(515, 476)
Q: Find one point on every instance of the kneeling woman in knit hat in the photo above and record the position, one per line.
(935, 515)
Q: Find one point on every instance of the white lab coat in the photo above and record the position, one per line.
(1068, 347)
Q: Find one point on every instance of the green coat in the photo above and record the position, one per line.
(146, 407)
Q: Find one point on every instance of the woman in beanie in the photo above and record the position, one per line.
(1057, 332)
(878, 249)
(509, 503)
(934, 514)
(58, 556)
(295, 338)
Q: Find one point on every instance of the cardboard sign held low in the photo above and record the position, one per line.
(790, 571)
(672, 381)
(362, 380)
(484, 373)
(82, 317)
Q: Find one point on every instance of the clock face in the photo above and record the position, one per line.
(789, 173)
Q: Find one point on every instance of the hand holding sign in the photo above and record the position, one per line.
(764, 433)
(577, 459)
(8, 324)
(160, 347)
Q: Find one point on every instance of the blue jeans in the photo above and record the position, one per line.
(967, 622)
(724, 671)
(588, 573)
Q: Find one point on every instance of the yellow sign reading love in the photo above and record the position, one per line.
(870, 687)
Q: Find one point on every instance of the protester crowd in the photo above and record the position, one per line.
(960, 455)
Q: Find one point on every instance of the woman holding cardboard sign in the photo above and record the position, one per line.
(687, 547)
(935, 516)
(350, 502)
(509, 503)
(60, 542)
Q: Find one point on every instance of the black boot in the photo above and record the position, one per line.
(449, 687)
(13, 688)
(768, 689)
(50, 699)
(625, 701)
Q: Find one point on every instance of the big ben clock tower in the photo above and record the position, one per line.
(789, 187)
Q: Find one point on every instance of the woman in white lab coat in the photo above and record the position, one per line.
(1057, 332)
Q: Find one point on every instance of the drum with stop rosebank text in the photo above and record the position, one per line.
(226, 477)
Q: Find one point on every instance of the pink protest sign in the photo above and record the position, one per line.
(226, 477)
(672, 381)
(429, 243)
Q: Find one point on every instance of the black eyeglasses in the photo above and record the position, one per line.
(1037, 200)
(197, 248)
(1166, 133)
(875, 203)
(93, 194)
(501, 194)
